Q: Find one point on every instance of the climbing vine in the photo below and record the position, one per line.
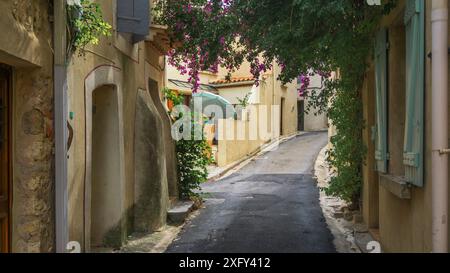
(245, 101)
(86, 25)
(304, 37)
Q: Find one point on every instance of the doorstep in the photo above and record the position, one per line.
(368, 241)
(180, 211)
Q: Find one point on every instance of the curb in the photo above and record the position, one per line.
(262, 149)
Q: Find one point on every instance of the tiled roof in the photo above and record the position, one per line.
(233, 80)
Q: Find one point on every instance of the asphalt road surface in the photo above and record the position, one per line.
(269, 206)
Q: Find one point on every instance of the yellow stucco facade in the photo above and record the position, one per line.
(121, 81)
(402, 218)
(268, 97)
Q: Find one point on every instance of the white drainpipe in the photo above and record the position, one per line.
(60, 103)
(439, 172)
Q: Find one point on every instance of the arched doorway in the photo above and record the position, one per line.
(105, 174)
(104, 150)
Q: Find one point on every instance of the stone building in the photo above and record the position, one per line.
(26, 127)
(271, 113)
(311, 120)
(115, 174)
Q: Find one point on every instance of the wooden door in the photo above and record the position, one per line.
(5, 191)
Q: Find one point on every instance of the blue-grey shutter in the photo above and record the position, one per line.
(381, 153)
(413, 157)
(133, 16)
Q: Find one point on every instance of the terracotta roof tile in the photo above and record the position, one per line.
(233, 80)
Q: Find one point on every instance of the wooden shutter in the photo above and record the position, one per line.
(381, 155)
(413, 157)
(133, 16)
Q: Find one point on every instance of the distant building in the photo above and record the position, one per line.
(279, 120)
(311, 120)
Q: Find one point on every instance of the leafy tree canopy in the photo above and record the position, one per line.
(304, 37)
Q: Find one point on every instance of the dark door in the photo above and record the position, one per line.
(301, 115)
(5, 196)
(283, 101)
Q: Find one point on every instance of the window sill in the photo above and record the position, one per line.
(396, 185)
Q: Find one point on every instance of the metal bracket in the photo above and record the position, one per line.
(430, 54)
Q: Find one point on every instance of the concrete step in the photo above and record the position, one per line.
(180, 211)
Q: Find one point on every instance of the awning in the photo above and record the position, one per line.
(190, 86)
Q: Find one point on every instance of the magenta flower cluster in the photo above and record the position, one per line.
(304, 81)
(194, 55)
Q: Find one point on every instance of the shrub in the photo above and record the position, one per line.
(193, 156)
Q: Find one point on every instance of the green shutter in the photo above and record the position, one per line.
(381, 155)
(413, 157)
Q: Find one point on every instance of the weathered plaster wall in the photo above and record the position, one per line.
(154, 89)
(25, 45)
(405, 225)
(151, 187)
(289, 93)
(106, 182)
(313, 120)
(129, 63)
(370, 189)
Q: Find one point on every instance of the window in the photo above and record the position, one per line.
(399, 80)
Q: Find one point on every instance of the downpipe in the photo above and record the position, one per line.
(439, 112)
(60, 121)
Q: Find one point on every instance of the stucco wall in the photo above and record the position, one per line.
(130, 64)
(313, 120)
(265, 98)
(151, 187)
(405, 225)
(370, 188)
(234, 93)
(25, 45)
(239, 138)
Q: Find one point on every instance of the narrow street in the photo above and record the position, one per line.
(269, 206)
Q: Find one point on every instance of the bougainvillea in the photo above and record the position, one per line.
(304, 81)
(301, 36)
(208, 36)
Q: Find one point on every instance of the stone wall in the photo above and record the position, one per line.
(25, 45)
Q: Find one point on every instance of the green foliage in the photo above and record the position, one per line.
(86, 25)
(244, 102)
(177, 99)
(302, 36)
(193, 156)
